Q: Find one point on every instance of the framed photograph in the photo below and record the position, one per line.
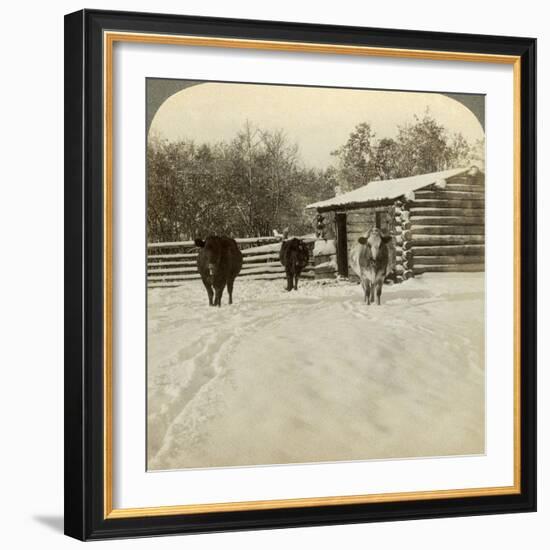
(300, 274)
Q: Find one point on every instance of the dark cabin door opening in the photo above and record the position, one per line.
(342, 244)
(382, 221)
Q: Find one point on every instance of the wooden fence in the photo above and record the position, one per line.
(172, 264)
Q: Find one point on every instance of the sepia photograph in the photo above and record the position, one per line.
(315, 274)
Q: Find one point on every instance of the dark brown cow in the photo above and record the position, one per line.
(219, 262)
(369, 259)
(294, 255)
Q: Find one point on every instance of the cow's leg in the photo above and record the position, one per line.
(364, 285)
(230, 290)
(210, 293)
(296, 281)
(218, 298)
(379, 284)
(372, 286)
(288, 281)
(367, 291)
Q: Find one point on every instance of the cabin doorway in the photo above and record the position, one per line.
(382, 221)
(342, 244)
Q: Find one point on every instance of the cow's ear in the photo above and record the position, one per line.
(386, 239)
(362, 240)
(199, 242)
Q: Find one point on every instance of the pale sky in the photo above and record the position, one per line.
(319, 120)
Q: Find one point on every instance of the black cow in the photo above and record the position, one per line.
(219, 262)
(294, 255)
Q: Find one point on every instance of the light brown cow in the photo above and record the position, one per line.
(369, 259)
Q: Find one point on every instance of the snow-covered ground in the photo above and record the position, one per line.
(315, 375)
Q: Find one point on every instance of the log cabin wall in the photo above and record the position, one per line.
(444, 228)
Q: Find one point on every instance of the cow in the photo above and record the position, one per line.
(219, 262)
(370, 260)
(294, 255)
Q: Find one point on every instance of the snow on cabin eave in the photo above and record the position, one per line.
(380, 192)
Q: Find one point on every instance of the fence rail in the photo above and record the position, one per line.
(260, 261)
(245, 241)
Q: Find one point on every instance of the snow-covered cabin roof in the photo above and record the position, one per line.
(386, 189)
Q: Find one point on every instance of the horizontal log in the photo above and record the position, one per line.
(468, 249)
(252, 252)
(156, 265)
(462, 177)
(434, 240)
(247, 273)
(464, 187)
(153, 256)
(359, 215)
(465, 178)
(458, 268)
(447, 220)
(447, 211)
(444, 194)
(243, 241)
(188, 277)
(447, 230)
(176, 280)
(261, 258)
(175, 244)
(258, 258)
(448, 203)
(189, 259)
(270, 277)
(247, 268)
(163, 271)
(358, 226)
(267, 269)
(448, 260)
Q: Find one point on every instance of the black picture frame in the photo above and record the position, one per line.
(84, 281)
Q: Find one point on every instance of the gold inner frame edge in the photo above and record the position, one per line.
(109, 39)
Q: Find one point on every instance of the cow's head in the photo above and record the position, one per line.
(374, 239)
(212, 253)
(299, 245)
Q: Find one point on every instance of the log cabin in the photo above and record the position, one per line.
(437, 221)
